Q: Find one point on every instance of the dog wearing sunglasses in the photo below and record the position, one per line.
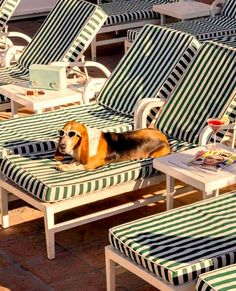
(92, 148)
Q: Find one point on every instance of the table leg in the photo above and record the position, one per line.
(163, 18)
(170, 191)
(207, 194)
(39, 111)
(14, 108)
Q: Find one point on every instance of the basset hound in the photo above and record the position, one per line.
(92, 148)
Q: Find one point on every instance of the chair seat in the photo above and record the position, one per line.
(179, 245)
(31, 164)
(125, 11)
(218, 280)
(202, 29)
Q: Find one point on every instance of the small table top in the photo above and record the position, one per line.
(51, 98)
(184, 10)
(176, 166)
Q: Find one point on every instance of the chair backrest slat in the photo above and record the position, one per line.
(65, 34)
(143, 71)
(206, 90)
(7, 8)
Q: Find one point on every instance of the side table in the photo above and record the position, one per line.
(183, 10)
(175, 167)
(75, 92)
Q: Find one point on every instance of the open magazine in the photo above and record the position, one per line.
(213, 160)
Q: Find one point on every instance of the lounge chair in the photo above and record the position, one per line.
(170, 250)
(64, 36)
(204, 28)
(153, 67)
(123, 15)
(208, 86)
(222, 279)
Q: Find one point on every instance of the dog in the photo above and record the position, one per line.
(92, 148)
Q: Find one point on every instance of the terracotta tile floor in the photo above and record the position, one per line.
(79, 263)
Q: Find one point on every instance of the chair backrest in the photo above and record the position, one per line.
(229, 9)
(65, 34)
(206, 90)
(7, 8)
(143, 71)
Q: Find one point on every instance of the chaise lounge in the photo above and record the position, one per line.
(29, 172)
(64, 36)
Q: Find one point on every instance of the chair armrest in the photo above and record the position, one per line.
(143, 108)
(216, 7)
(207, 131)
(11, 54)
(15, 34)
(84, 64)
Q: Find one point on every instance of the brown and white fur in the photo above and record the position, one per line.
(93, 148)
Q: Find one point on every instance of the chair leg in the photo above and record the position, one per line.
(93, 49)
(49, 232)
(4, 207)
(110, 271)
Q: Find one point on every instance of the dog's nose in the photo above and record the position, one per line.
(62, 146)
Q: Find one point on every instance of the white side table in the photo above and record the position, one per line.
(183, 10)
(175, 167)
(73, 93)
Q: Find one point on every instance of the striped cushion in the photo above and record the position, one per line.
(33, 169)
(203, 29)
(222, 279)
(180, 244)
(39, 132)
(230, 8)
(126, 11)
(206, 90)
(143, 71)
(206, 28)
(37, 175)
(65, 34)
(7, 8)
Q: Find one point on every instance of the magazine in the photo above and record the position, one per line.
(213, 160)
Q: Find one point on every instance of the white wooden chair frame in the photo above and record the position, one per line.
(10, 52)
(113, 257)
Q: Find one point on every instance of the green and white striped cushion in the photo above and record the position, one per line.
(206, 90)
(65, 34)
(144, 70)
(230, 8)
(33, 169)
(223, 279)
(39, 132)
(180, 244)
(37, 175)
(126, 11)
(7, 8)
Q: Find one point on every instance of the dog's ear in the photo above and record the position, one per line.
(84, 145)
(58, 155)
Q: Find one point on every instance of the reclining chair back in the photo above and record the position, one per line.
(144, 69)
(65, 34)
(208, 89)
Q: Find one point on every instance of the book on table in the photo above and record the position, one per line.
(213, 160)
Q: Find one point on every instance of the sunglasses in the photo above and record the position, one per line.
(70, 133)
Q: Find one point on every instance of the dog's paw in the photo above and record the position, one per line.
(60, 167)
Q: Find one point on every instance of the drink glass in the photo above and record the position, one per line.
(216, 125)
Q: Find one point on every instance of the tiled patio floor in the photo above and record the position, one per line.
(79, 263)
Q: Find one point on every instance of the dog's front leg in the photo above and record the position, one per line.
(70, 167)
